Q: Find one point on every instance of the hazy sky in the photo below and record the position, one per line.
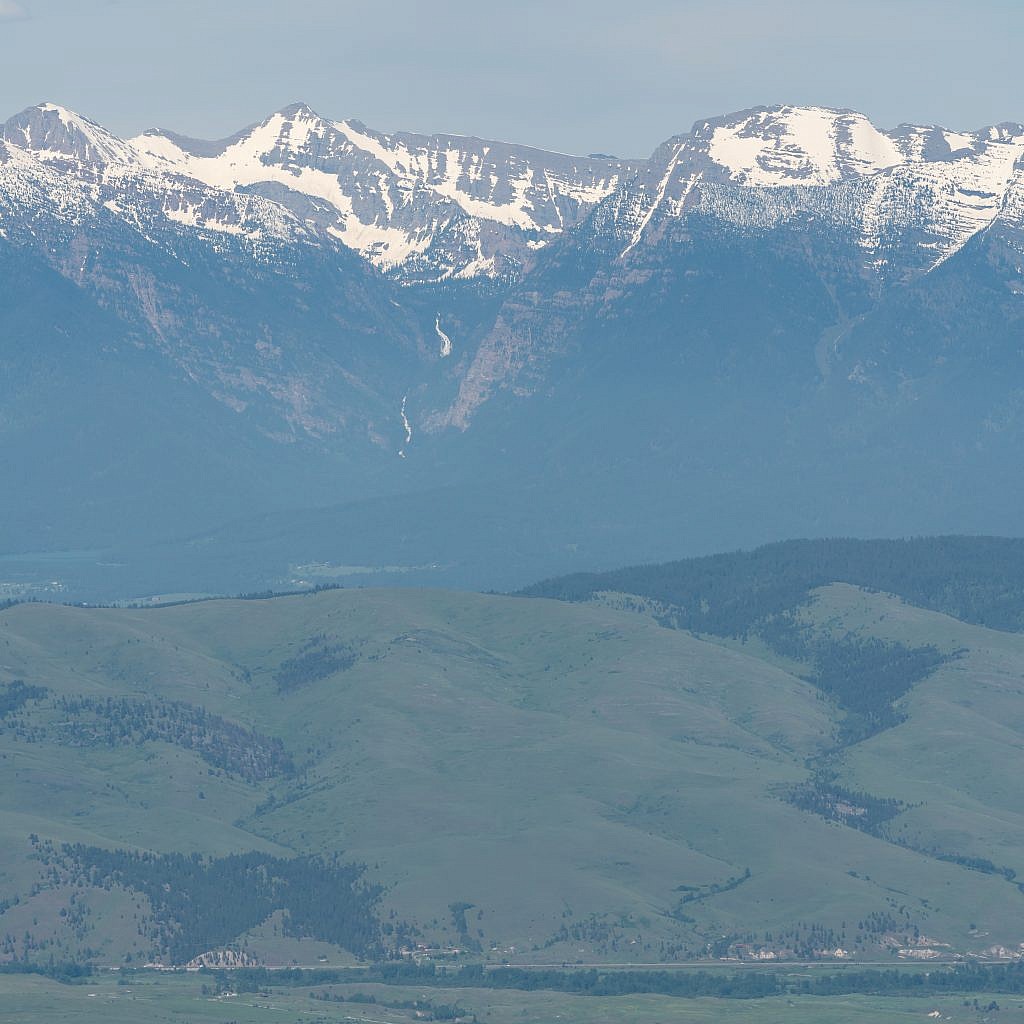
(606, 75)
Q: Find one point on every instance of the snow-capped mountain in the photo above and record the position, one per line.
(423, 207)
(431, 208)
(886, 207)
(216, 280)
(61, 165)
(913, 195)
(365, 312)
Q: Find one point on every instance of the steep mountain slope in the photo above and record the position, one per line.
(819, 218)
(102, 441)
(786, 321)
(225, 285)
(244, 360)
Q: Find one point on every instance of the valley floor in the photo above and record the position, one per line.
(163, 998)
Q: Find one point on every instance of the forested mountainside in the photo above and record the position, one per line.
(976, 579)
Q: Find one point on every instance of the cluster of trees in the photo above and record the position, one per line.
(598, 930)
(748, 984)
(966, 978)
(696, 893)
(741, 985)
(982, 864)
(699, 893)
(317, 660)
(424, 1009)
(132, 721)
(806, 940)
(864, 675)
(458, 911)
(821, 795)
(199, 903)
(16, 694)
(58, 970)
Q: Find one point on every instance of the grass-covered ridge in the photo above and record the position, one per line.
(524, 780)
(767, 594)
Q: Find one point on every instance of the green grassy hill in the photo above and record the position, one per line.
(529, 780)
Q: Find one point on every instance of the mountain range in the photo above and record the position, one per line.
(315, 351)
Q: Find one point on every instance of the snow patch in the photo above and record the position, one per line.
(958, 140)
(872, 150)
(190, 216)
(800, 145)
(384, 246)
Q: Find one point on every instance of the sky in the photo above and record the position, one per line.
(601, 76)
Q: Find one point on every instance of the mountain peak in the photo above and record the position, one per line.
(795, 145)
(53, 132)
(300, 110)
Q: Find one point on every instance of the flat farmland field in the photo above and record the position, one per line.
(162, 998)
